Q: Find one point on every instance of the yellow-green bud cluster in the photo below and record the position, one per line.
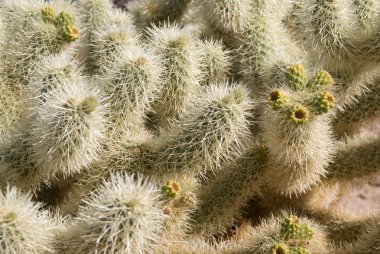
(323, 102)
(299, 250)
(321, 80)
(64, 21)
(299, 114)
(280, 248)
(304, 97)
(171, 189)
(48, 14)
(296, 76)
(278, 99)
(292, 228)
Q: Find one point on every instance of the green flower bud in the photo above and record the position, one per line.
(171, 189)
(323, 102)
(296, 76)
(322, 79)
(48, 14)
(292, 228)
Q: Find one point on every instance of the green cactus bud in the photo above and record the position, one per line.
(321, 79)
(299, 114)
(323, 102)
(48, 14)
(296, 76)
(277, 99)
(70, 33)
(299, 250)
(292, 228)
(65, 19)
(280, 248)
(171, 189)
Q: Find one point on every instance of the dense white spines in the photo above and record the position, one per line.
(68, 130)
(52, 73)
(147, 13)
(123, 216)
(215, 62)
(41, 31)
(180, 62)
(222, 199)
(130, 85)
(213, 132)
(226, 15)
(297, 131)
(24, 228)
(114, 35)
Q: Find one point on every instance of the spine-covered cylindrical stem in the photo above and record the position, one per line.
(356, 159)
(67, 133)
(44, 33)
(215, 62)
(123, 216)
(221, 200)
(130, 84)
(212, 133)
(226, 15)
(114, 35)
(180, 62)
(297, 131)
(24, 227)
(148, 13)
(364, 110)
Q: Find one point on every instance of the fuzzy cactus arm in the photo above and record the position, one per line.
(24, 228)
(212, 133)
(130, 84)
(53, 72)
(115, 34)
(147, 13)
(124, 215)
(180, 74)
(221, 200)
(226, 15)
(215, 62)
(36, 37)
(297, 131)
(358, 158)
(67, 134)
(365, 109)
(326, 32)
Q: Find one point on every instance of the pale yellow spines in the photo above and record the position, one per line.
(211, 133)
(180, 61)
(148, 13)
(24, 227)
(357, 158)
(222, 199)
(269, 235)
(215, 62)
(297, 131)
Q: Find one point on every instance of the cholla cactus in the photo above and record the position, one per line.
(24, 227)
(180, 126)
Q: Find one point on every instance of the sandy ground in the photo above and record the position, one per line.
(361, 201)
